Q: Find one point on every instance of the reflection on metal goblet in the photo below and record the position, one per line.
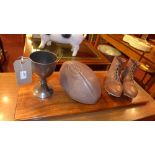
(43, 64)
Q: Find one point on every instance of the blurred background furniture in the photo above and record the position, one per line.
(2, 55)
(87, 53)
(148, 78)
(109, 51)
(14, 45)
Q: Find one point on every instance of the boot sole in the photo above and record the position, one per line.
(128, 96)
(111, 93)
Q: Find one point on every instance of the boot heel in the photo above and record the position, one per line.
(127, 95)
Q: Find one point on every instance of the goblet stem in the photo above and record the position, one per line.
(42, 90)
(45, 87)
(43, 83)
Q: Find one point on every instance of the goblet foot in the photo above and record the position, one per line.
(42, 92)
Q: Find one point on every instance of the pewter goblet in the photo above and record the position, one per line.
(43, 64)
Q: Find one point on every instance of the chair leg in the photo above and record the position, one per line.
(141, 81)
(150, 83)
(1, 70)
(153, 94)
(144, 77)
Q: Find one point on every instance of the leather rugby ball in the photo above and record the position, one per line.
(80, 82)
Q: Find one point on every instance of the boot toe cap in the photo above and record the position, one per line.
(114, 89)
(130, 90)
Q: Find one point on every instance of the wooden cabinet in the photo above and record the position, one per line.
(116, 40)
(2, 56)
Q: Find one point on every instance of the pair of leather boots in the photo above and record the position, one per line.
(120, 81)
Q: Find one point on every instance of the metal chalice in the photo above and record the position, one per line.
(43, 64)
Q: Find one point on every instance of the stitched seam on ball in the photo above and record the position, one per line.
(77, 68)
(88, 84)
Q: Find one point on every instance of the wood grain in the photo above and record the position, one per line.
(8, 96)
(59, 104)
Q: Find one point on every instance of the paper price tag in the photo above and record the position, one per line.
(23, 70)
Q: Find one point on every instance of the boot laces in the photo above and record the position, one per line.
(131, 70)
(116, 73)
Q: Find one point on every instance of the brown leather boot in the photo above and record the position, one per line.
(113, 83)
(129, 88)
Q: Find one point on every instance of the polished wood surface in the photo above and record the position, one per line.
(8, 101)
(8, 96)
(60, 104)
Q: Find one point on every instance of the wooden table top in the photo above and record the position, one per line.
(8, 100)
(8, 96)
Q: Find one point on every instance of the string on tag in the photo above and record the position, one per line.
(22, 59)
(22, 62)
